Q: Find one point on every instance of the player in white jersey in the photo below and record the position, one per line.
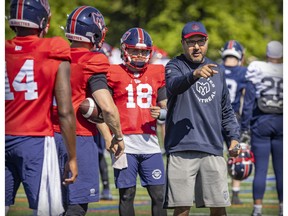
(264, 99)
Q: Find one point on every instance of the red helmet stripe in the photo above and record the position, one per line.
(74, 19)
(140, 35)
(230, 44)
(246, 170)
(20, 9)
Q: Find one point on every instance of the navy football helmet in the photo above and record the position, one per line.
(232, 48)
(86, 24)
(138, 39)
(241, 167)
(29, 14)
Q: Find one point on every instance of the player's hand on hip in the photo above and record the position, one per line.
(234, 149)
(70, 167)
(205, 71)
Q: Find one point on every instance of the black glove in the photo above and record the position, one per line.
(245, 137)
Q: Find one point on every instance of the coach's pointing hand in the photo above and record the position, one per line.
(205, 71)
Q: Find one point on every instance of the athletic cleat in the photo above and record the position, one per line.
(236, 201)
(256, 214)
(106, 195)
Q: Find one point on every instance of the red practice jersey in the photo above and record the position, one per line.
(31, 68)
(133, 94)
(84, 64)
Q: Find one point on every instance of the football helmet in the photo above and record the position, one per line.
(241, 167)
(139, 40)
(86, 24)
(29, 14)
(232, 48)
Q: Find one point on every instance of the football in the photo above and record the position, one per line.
(91, 111)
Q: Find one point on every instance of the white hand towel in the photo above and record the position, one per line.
(50, 196)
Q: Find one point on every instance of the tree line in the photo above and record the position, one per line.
(252, 23)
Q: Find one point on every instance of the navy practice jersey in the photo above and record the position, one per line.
(197, 109)
(236, 83)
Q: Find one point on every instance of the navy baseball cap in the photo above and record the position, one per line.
(193, 28)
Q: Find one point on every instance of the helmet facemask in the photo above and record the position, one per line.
(136, 57)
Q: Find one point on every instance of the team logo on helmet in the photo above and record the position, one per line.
(98, 19)
(46, 5)
(125, 36)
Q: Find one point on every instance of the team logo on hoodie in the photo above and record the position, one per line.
(204, 90)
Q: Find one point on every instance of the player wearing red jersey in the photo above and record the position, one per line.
(103, 165)
(140, 95)
(87, 63)
(35, 68)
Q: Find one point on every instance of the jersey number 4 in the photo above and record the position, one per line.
(144, 96)
(24, 81)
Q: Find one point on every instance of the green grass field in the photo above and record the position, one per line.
(142, 201)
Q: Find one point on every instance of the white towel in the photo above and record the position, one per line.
(50, 196)
(119, 163)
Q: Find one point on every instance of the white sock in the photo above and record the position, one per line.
(6, 209)
(257, 209)
(235, 189)
(281, 209)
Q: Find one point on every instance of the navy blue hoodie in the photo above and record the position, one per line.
(197, 109)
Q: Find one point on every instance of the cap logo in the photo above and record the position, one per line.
(195, 27)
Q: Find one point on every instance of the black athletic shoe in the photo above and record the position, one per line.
(236, 200)
(106, 195)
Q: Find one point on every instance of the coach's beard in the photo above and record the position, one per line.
(196, 57)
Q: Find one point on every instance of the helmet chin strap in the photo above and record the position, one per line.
(139, 66)
(44, 31)
(135, 67)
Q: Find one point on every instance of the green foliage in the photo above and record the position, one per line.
(252, 23)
